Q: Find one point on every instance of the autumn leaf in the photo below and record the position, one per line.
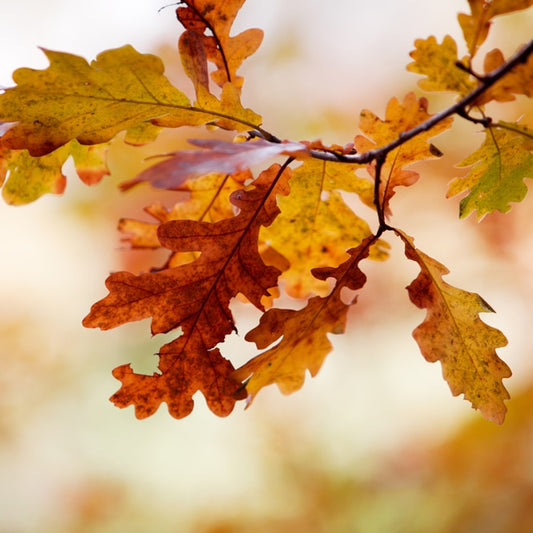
(453, 334)
(498, 169)
(316, 227)
(196, 296)
(217, 156)
(209, 200)
(304, 333)
(437, 62)
(399, 117)
(518, 81)
(208, 26)
(121, 89)
(476, 25)
(186, 367)
(29, 177)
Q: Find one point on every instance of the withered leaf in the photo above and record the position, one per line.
(196, 296)
(208, 26)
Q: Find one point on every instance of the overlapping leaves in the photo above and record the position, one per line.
(91, 103)
(195, 297)
(253, 235)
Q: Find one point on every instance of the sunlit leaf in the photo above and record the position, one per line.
(453, 334)
(498, 169)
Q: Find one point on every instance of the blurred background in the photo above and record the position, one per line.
(375, 442)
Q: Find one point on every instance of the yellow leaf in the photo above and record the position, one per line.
(29, 177)
(453, 334)
(316, 227)
(399, 117)
(438, 63)
(476, 25)
(92, 103)
(304, 333)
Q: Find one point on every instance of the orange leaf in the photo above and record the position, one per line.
(208, 200)
(453, 334)
(304, 333)
(476, 25)
(518, 81)
(196, 296)
(399, 117)
(212, 21)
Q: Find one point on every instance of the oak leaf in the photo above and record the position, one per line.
(476, 25)
(498, 169)
(304, 333)
(518, 81)
(399, 117)
(208, 25)
(29, 177)
(216, 156)
(453, 334)
(437, 62)
(209, 200)
(121, 89)
(316, 226)
(196, 296)
(186, 367)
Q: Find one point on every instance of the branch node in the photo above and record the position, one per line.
(465, 68)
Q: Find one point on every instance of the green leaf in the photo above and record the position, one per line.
(498, 169)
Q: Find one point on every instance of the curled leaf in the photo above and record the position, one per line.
(216, 157)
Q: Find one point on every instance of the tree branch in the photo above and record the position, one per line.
(458, 108)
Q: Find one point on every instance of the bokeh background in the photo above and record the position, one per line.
(375, 442)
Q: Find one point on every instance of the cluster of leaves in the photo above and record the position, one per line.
(286, 229)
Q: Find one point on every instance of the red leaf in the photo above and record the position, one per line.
(221, 157)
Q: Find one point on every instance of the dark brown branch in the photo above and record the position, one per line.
(458, 108)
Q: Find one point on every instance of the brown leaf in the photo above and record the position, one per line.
(186, 367)
(304, 333)
(196, 296)
(211, 22)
